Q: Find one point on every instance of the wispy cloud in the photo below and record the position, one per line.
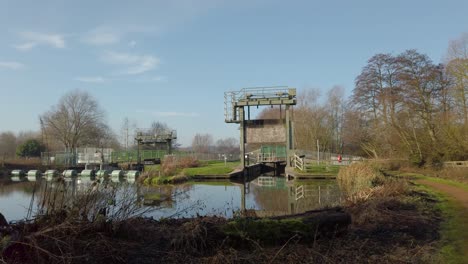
(33, 39)
(101, 36)
(108, 35)
(151, 79)
(136, 64)
(26, 46)
(11, 65)
(91, 79)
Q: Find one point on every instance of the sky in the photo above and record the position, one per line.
(172, 61)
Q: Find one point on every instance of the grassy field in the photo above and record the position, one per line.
(211, 168)
(207, 169)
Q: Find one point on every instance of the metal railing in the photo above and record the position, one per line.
(298, 162)
(231, 97)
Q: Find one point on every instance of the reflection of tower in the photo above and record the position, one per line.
(244, 190)
(309, 196)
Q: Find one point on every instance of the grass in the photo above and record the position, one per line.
(416, 176)
(206, 168)
(152, 168)
(211, 168)
(454, 236)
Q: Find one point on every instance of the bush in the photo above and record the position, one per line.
(30, 148)
(357, 177)
(188, 162)
(169, 166)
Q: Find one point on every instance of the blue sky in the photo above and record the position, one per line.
(172, 61)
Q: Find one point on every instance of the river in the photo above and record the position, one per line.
(264, 196)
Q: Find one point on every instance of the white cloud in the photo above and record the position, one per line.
(26, 46)
(11, 65)
(35, 38)
(136, 64)
(102, 36)
(91, 79)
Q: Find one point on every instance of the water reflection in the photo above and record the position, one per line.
(264, 196)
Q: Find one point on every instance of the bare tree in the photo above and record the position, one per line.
(227, 146)
(7, 144)
(127, 132)
(457, 69)
(76, 120)
(202, 143)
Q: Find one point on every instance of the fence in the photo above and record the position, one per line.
(327, 157)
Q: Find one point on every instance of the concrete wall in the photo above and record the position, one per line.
(265, 131)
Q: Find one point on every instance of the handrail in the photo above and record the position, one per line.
(298, 162)
(299, 192)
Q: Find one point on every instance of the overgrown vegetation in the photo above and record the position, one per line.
(357, 178)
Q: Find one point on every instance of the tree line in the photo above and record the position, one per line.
(78, 121)
(403, 106)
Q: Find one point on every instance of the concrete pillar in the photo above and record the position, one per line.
(242, 135)
(288, 137)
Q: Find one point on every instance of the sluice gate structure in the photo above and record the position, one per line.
(274, 136)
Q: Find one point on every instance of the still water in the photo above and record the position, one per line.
(264, 196)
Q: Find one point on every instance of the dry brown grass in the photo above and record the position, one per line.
(389, 188)
(188, 162)
(357, 177)
(169, 166)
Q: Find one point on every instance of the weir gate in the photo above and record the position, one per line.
(272, 139)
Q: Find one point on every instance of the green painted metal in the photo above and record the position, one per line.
(132, 155)
(278, 150)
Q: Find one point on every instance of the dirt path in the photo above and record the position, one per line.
(457, 193)
(461, 197)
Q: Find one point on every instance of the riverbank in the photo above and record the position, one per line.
(389, 223)
(154, 174)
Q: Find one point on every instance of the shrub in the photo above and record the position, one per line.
(169, 166)
(188, 162)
